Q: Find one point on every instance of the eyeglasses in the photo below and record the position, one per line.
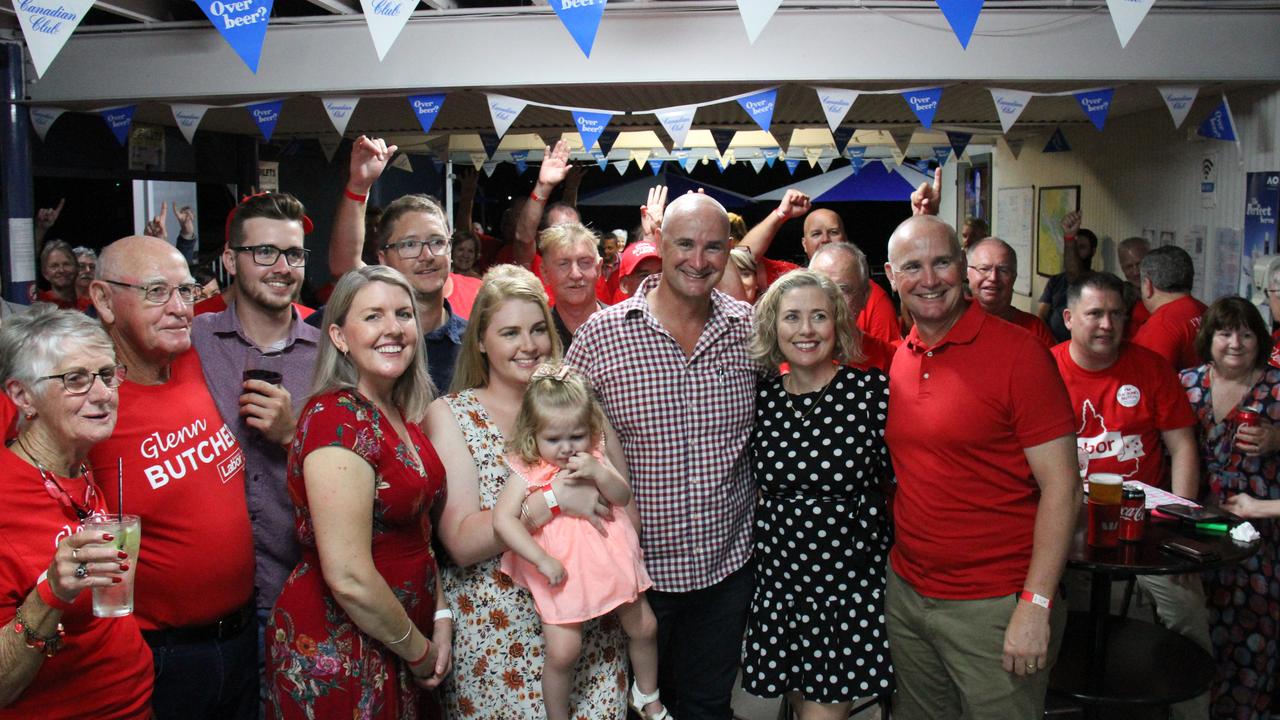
(986, 270)
(1271, 291)
(268, 254)
(412, 248)
(79, 380)
(160, 294)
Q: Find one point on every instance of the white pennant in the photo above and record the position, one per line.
(478, 160)
(1179, 100)
(488, 167)
(676, 121)
(640, 157)
(329, 146)
(621, 166)
(689, 164)
(188, 117)
(812, 154)
(504, 110)
(340, 110)
(898, 157)
(47, 26)
(401, 162)
(1009, 105)
(756, 14)
(42, 118)
(757, 164)
(386, 20)
(1127, 16)
(825, 164)
(836, 103)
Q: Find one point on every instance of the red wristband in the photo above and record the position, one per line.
(1034, 599)
(533, 195)
(426, 651)
(45, 591)
(352, 196)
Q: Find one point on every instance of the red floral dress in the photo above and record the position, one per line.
(319, 664)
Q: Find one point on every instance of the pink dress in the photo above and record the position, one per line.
(601, 571)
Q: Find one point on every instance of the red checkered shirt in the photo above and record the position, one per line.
(685, 423)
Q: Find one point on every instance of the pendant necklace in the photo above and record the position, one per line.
(822, 394)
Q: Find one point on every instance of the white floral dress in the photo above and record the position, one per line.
(497, 641)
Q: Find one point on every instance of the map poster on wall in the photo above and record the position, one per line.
(1261, 206)
(1055, 202)
(1013, 225)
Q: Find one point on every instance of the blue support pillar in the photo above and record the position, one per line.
(17, 251)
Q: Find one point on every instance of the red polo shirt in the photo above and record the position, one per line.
(879, 354)
(961, 413)
(1034, 325)
(1171, 332)
(879, 318)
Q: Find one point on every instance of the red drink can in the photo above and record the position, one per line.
(1133, 514)
(1248, 417)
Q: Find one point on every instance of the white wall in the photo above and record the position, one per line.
(1142, 172)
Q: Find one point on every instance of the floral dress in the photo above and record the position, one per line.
(319, 664)
(497, 636)
(1244, 599)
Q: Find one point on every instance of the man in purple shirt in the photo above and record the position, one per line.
(261, 330)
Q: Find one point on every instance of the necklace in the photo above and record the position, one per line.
(59, 493)
(822, 394)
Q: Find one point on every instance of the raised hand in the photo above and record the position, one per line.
(555, 164)
(1071, 223)
(186, 220)
(369, 157)
(46, 217)
(926, 198)
(794, 204)
(155, 226)
(651, 211)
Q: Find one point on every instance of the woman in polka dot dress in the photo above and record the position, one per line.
(816, 632)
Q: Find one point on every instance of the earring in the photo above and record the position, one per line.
(29, 414)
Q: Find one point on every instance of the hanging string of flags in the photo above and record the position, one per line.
(47, 25)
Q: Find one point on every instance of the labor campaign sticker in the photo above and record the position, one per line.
(1128, 395)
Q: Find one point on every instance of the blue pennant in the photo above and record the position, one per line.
(656, 166)
(760, 107)
(924, 103)
(962, 15)
(607, 139)
(770, 156)
(1096, 104)
(959, 141)
(842, 137)
(426, 108)
(242, 24)
(1219, 125)
(1057, 142)
(120, 120)
(722, 139)
(941, 153)
(490, 142)
(581, 18)
(590, 126)
(792, 164)
(266, 115)
(602, 162)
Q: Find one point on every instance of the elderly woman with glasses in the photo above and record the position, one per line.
(56, 659)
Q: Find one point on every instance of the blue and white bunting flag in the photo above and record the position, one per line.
(42, 118)
(689, 164)
(757, 164)
(1009, 105)
(958, 141)
(119, 120)
(386, 18)
(924, 103)
(857, 157)
(488, 167)
(901, 140)
(521, 166)
(489, 141)
(722, 164)
(504, 110)
(824, 164)
(640, 157)
(188, 117)
(520, 159)
(47, 25)
(426, 108)
(602, 162)
(677, 121)
(760, 107)
(962, 15)
(339, 110)
(1219, 125)
(770, 155)
(581, 18)
(1014, 145)
(836, 103)
(756, 14)
(329, 145)
(1057, 142)
(590, 127)
(1096, 104)
(621, 166)
(941, 153)
(265, 115)
(1179, 100)
(792, 164)
(655, 165)
(722, 139)
(607, 139)
(842, 136)
(1127, 15)
(242, 23)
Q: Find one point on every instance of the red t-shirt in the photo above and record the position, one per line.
(104, 669)
(1137, 319)
(773, 269)
(463, 295)
(879, 354)
(80, 303)
(217, 304)
(1171, 332)
(8, 416)
(184, 475)
(879, 318)
(1034, 325)
(960, 415)
(1121, 411)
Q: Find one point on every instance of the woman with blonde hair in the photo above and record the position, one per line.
(499, 649)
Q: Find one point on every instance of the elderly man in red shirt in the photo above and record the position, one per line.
(993, 268)
(987, 496)
(1167, 274)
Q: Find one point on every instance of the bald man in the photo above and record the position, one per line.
(986, 499)
(183, 473)
(993, 268)
(878, 318)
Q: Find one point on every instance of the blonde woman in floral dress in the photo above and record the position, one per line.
(498, 646)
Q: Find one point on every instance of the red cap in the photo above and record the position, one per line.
(634, 253)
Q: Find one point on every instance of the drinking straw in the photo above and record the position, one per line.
(120, 489)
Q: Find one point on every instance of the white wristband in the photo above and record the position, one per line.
(444, 614)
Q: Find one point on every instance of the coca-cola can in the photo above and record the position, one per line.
(1248, 417)
(1133, 514)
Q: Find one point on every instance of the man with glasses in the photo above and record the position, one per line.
(182, 471)
(412, 237)
(993, 266)
(262, 330)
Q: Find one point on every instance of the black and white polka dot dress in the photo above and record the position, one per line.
(822, 540)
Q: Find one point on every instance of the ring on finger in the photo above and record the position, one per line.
(75, 554)
(82, 571)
